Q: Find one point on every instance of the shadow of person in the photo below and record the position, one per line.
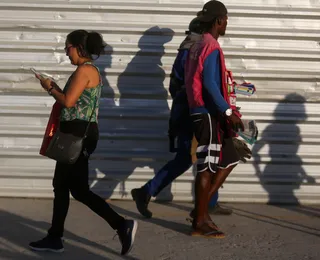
(107, 103)
(140, 117)
(103, 63)
(277, 221)
(160, 221)
(281, 180)
(16, 231)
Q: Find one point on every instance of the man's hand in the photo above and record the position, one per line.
(236, 122)
(242, 149)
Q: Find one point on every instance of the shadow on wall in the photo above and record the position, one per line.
(135, 128)
(104, 63)
(283, 174)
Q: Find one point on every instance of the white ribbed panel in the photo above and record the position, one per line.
(273, 44)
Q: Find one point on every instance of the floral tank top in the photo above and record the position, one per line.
(89, 100)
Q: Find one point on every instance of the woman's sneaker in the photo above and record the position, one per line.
(127, 233)
(48, 244)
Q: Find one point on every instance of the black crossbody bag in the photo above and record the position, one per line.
(66, 148)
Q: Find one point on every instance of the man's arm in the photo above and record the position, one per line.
(211, 72)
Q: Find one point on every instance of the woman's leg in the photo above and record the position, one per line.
(61, 200)
(52, 242)
(79, 189)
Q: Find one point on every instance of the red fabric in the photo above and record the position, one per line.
(52, 126)
(226, 80)
(194, 68)
(230, 83)
(193, 77)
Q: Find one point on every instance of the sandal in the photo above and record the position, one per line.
(207, 231)
(210, 223)
(192, 216)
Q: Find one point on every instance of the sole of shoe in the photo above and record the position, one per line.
(47, 249)
(133, 235)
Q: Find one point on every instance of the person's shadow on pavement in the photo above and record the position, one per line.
(281, 181)
(17, 231)
(137, 122)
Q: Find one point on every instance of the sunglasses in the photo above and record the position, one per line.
(66, 49)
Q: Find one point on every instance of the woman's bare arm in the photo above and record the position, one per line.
(79, 82)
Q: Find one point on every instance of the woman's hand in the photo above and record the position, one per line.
(45, 83)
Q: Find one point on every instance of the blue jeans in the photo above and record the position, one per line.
(214, 200)
(174, 168)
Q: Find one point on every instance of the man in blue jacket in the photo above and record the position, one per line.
(180, 127)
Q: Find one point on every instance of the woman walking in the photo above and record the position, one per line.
(80, 101)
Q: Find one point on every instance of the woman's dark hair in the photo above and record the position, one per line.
(89, 44)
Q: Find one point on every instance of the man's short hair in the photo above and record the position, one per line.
(195, 26)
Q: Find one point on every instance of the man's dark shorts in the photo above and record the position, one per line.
(215, 150)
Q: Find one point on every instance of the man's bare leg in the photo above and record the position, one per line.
(200, 224)
(217, 180)
(202, 188)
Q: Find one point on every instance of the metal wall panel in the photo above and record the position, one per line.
(273, 44)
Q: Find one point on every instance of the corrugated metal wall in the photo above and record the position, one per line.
(271, 43)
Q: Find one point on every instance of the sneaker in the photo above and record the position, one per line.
(142, 200)
(48, 244)
(127, 233)
(218, 210)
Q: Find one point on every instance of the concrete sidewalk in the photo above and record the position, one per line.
(254, 231)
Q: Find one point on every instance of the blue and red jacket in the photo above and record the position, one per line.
(206, 79)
